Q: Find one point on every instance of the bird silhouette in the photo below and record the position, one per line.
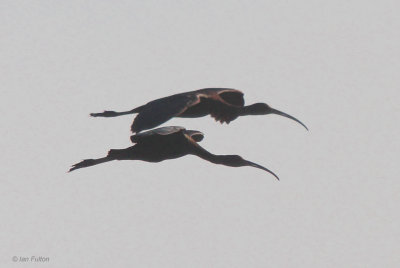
(224, 104)
(168, 143)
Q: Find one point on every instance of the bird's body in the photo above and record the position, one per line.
(167, 143)
(224, 104)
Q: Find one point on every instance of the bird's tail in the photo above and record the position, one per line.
(114, 114)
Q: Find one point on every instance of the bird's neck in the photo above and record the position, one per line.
(206, 155)
(217, 159)
(214, 158)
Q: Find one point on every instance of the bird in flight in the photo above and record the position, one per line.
(224, 104)
(168, 143)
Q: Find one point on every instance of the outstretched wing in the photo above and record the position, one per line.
(161, 110)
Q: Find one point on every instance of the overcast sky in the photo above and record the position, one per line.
(332, 64)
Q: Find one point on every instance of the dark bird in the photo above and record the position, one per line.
(224, 104)
(168, 143)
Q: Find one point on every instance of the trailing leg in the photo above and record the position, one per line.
(90, 162)
(113, 154)
(114, 114)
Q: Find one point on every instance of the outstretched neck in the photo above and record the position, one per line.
(217, 159)
(206, 155)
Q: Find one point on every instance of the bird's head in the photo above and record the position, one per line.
(260, 108)
(234, 161)
(263, 108)
(238, 161)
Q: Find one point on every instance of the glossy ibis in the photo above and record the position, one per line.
(224, 104)
(168, 143)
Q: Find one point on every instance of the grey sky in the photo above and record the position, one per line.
(332, 64)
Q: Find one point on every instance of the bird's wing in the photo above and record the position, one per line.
(232, 97)
(196, 135)
(226, 102)
(196, 149)
(228, 96)
(223, 113)
(162, 131)
(161, 110)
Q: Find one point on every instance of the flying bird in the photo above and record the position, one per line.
(224, 104)
(168, 143)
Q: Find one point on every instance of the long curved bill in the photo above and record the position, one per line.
(274, 111)
(249, 163)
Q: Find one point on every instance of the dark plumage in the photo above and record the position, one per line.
(224, 104)
(168, 143)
